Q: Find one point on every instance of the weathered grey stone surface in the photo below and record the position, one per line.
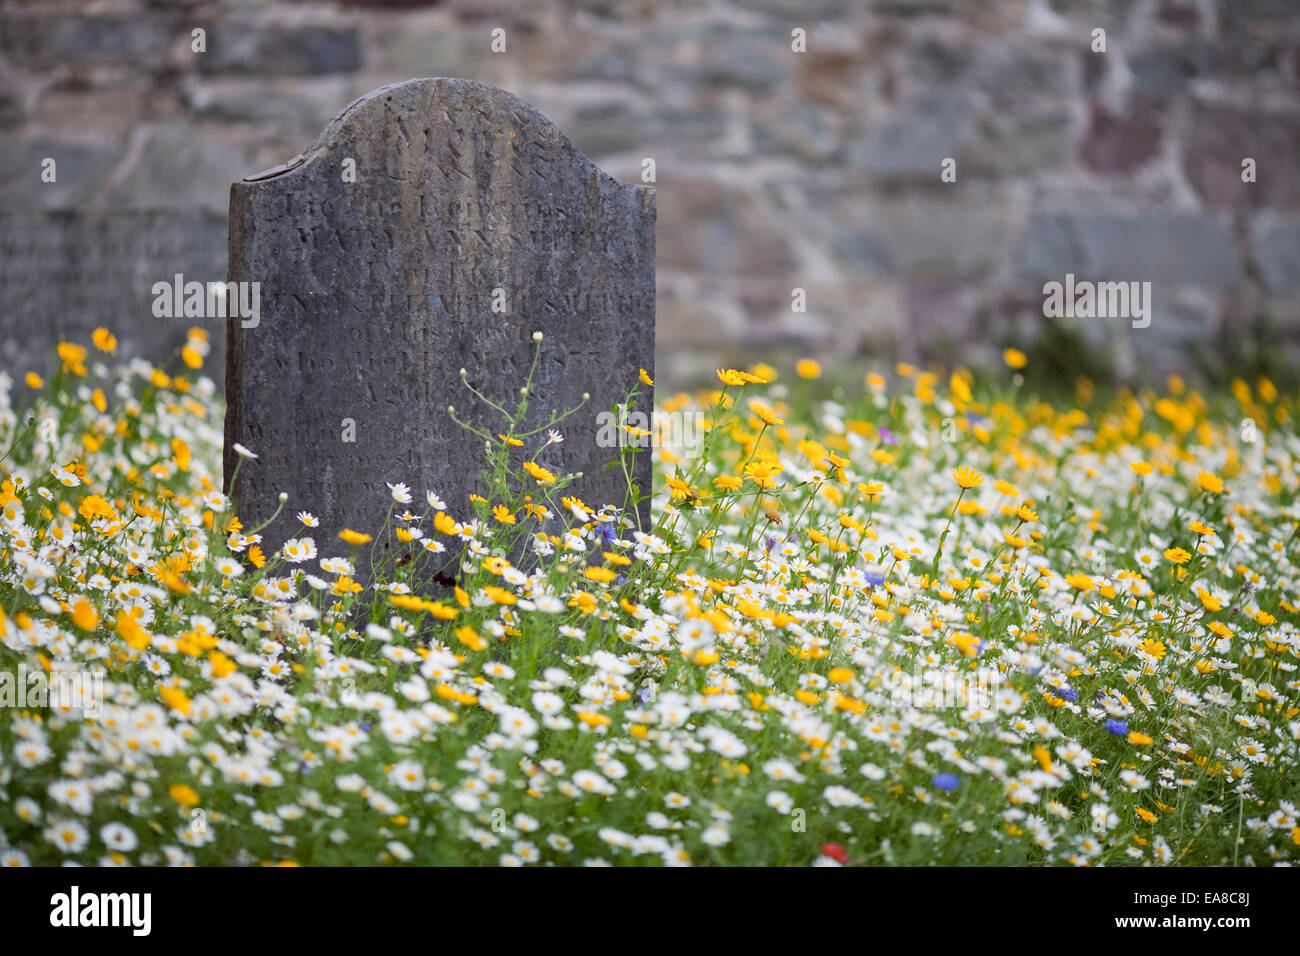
(1174, 248)
(375, 293)
(176, 169)
(775, 161)
(1276, 252)
(66, 273)
(305, 49)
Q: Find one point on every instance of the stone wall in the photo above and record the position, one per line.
(776, 169)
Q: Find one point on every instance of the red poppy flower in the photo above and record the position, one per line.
(836, 853)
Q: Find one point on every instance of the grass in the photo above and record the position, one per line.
(926, 621)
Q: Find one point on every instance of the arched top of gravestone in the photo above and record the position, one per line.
(437, 98)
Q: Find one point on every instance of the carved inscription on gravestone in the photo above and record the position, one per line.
(380, 254)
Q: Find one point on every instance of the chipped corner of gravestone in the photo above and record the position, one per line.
(380, 254)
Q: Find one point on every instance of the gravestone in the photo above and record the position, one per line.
(381, 254)
(66, 272)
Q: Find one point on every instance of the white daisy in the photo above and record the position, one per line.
(229, 567)
(407, 775)
(68, 835)
(298, 550)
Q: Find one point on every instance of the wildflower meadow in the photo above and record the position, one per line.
(913, 618)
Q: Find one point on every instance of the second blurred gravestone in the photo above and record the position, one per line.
(435, 225)
(67, 272)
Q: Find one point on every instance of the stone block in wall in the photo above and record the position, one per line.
(427, 45)
(608, 63)
(1275, 252)
(1167, 69)
(1242, 14)
(1000, 70)
(1021, 141)
(807, 132)
(949, 234)
(13, 107)
(753, 68)
(178, 167)
(1220, 137)
(621, 125)
(912, 143)
(100, 113)
(717, 229)
(1000, 17)
(1171, 69)
(914, 8)
(300, 107)
(266, 48)
(1107, 14)
(11, 110)
(1121, 142)
(1183, 14)
(61, 40)
(1153, 245)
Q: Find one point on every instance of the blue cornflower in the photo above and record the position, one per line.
(1117, 727)
(946, 781)
(1069, 693)
(605, 531)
